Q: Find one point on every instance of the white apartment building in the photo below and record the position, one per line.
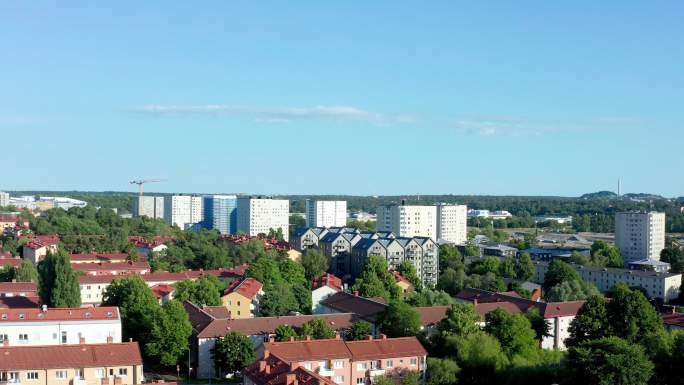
(440, 222)
(4, 199)
(326, 213)
(183, 210)
(452, 223)
(59, 326)
(149, 206)
(640, 235)
(259, 215)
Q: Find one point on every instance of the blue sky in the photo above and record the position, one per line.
(353, 97)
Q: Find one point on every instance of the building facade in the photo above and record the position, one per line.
(260, 215)
(220, 213)
(326, 213)
(183, 211)
(242, 298)
(443, 222)
(149, 206)
(640, 235)
(452, 223)
(4, 199)
(59, 326)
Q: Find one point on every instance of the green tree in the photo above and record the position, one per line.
(204, 291)
(376, 280)
(514, 332)
(559, 272)
(609, 361)
(450, 257)
(507, 268)
(428, 297)
(383, 380)
(399, 320)
(58, 282)
(317, 329)
(461, 320)
(412, 377)
(479, 356)
(284, 333)
(137, 305)
(452, 281)
(7, 273)
(232, 353)
(538, 323)
(169, 336)
(590, 323)
(603, 254)
(360, 330)
(442, 371)
(630, 315)
(408, 271)
(524, 267)
(573, 290)
(675, 257)
(26, 272)
(315, 263)
(278, 300)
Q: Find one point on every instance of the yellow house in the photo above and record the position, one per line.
(242, 298)
(406, 286)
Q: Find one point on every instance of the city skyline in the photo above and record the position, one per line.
(466, 99)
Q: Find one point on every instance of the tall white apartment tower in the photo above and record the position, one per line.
(408, 221)
(152, 207)
(259, 215)
(452, 223)
(326, 213)
(183, 210)
(640, 235)
(4, 199)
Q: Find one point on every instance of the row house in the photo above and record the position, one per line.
(18, 289)
(39, 246)
(210, 323)
(7, 259)
(305, 238)
(350, 362)
(59, 326)
(84, 364)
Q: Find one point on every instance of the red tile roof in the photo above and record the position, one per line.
(327, 280)
(162, 290)
(248, 288)
(431, 315)
(19, 302)
(273, 371)
(367, 308)
(111, 267)
(16, 287)
(38, 241)
(400, 278)
(98, 257)
(59, 314)
(163, 276)
(69, 356)
(8, 260)
(386, 348)
(486, 301)
(673, 320)
(140, 241)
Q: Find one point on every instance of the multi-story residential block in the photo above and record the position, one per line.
(149, 206)
(351, 362)
(220, 213)
(59, 326)
(307, 237)
(85, 364)
(640, 235)
(18, 289)
(93, 286)
(38, 247)
(4, 199)
(337, 246)
(260, 215)
(183, 211)
(657, 285)
(558, 315)
(209, 324)
(273, 371)
(326, 213)
(443, 222)
(112, 268)
(241, 298)
(452, 223)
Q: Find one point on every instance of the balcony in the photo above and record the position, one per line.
(376, 372)
(78, 381)
(325, 372)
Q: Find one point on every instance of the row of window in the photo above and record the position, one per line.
(62, 374)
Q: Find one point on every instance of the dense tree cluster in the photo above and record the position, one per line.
(285, 285)
(376, 280)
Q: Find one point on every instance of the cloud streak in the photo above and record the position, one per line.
(502, 126)
(277, 115)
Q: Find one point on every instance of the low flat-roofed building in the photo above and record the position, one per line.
(84, 364)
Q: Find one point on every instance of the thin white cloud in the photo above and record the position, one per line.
(501, 125)
(278, 115)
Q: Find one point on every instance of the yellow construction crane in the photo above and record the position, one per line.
(141, 190)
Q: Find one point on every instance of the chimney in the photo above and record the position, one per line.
(110, 339)
(475, 301)
(292, 338)
(81, 340)
(262, 365)
(356, 293)
(130, 339)
(369, 338)
(267, 369)
(290, 379)
(308, 338)
(44, 308)
(266, 354)
(271, 339)
(337, 335)
(383, 336)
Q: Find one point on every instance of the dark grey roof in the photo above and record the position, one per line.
(615, 270)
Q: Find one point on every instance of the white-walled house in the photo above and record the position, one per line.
(322, 288)
(59, 326)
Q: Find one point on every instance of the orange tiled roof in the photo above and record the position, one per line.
(248, 288)
(59, 314)
(69, 356)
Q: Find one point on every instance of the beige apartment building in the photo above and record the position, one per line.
(640, 235)
(99, 364)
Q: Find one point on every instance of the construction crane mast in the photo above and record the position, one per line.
(141, 190)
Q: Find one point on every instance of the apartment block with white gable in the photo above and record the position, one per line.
(452, 223)
(59, 326)
(326, 213)
(260, 215)
(443, 222)
(640, 235)
(183, 211)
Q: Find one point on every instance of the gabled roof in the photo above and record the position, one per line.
(308, 350)
(431, 315)
(102, 267)
(14, 287)
(69, 356)
(486, 301)
(328, 280)
(98, 257)
(366, 308)
(380, 348)
(273, 371)
(248, 288)
(163, 276)
(19, 302)
(161, 290)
